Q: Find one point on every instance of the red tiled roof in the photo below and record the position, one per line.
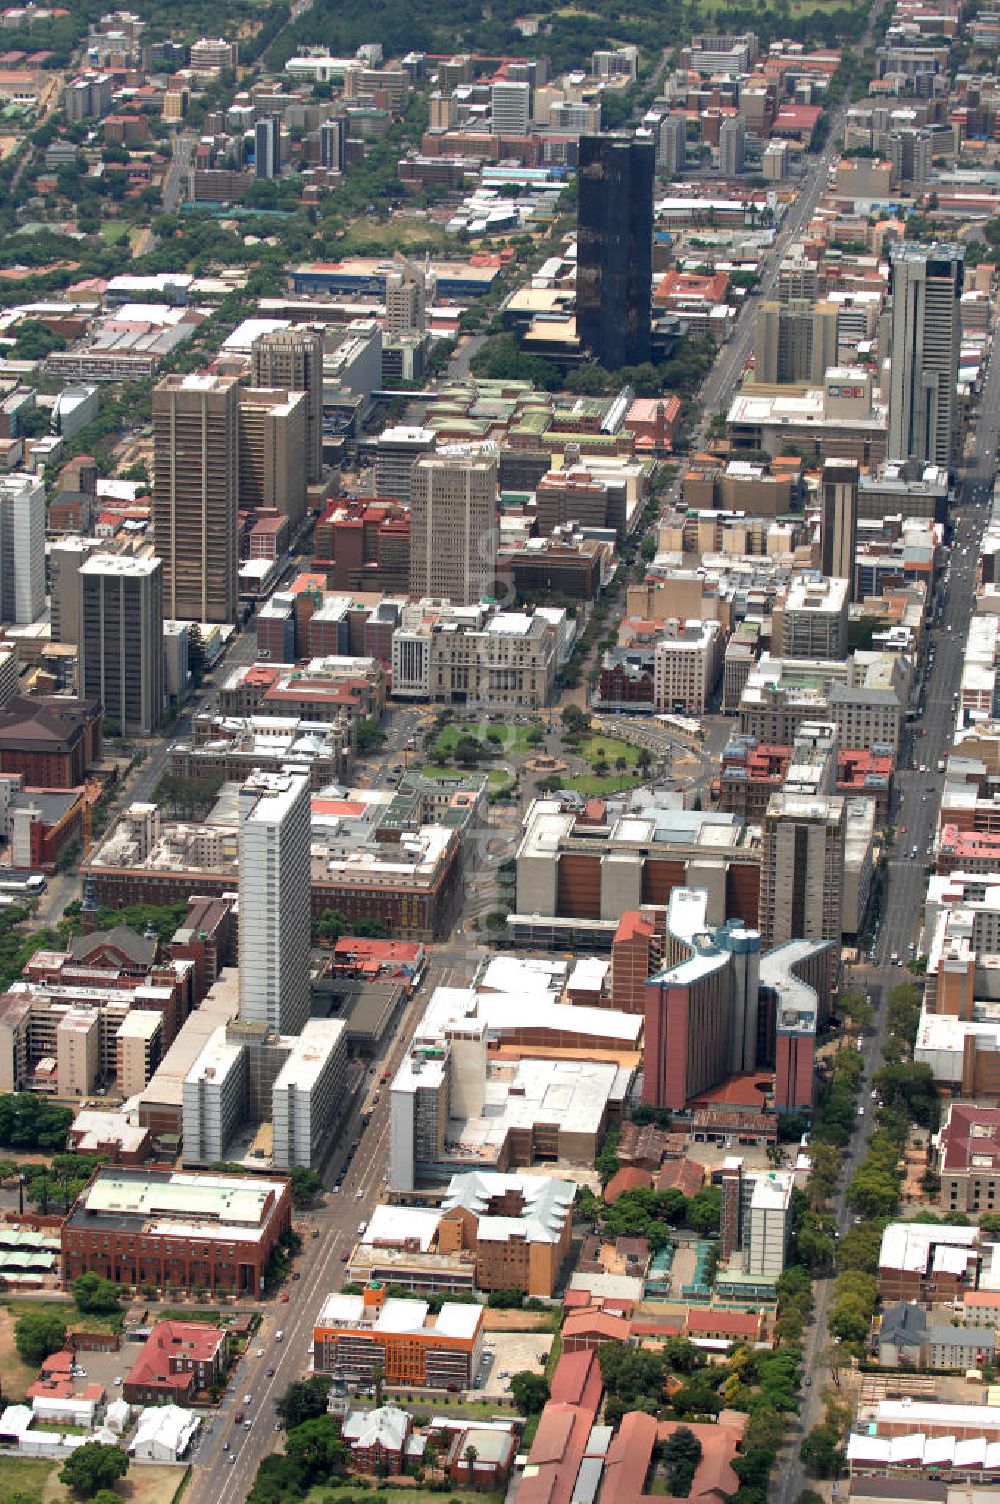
(598, 1324)
(627, 1179)
(714, 1475)
(194, 1341)
(731, 1323)
(681, 1175)
(969, 1130)
(571, 1378)
(628, 1459)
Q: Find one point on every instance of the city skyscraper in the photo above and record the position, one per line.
(272, 426)
(839, 520)
(267, 147)
(911, 154)
(22, 548)
(924, 344)
(794, 341)
(409, 289)
(120, 639)
(614, 269)
(275, 833)
(673, 144)
(293, 358)
(195, 494)
(332, 137)
(511, 105)
(732, 145)
(802, 874)
(453, 527)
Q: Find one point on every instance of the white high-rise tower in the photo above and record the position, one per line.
(275, 831)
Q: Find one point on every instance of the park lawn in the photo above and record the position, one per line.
(35, 1480)
(26, 1479)
(113, 230)
(515, 738)
(797, 7)
(152, 1482)
(397, 234)
(73, 1318)
(498, 778)
(15, 1375)
(610, 748)
(595, 788)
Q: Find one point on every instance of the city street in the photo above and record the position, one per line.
(222, 1474)
(917, 801)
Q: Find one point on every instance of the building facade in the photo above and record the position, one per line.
(802, 874)
(273, 432)
(195, 495)
(839, 520)
(926, 284)
(22, 548)
(120, 639)
(453, 527)
(176, 1230)
(292, 359)
(615, 248)
(275, 834)
(355, 1334)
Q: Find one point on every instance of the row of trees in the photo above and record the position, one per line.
(651, 1214)
(31, 1123)
(906, 1095)
(332, 923)
(501, 358)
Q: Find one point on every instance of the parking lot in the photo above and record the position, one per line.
(104, 1368)
(513, 1352)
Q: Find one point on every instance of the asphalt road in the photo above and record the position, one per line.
(175, 178)
(918, 797)
(723, 379)
(228, 1474)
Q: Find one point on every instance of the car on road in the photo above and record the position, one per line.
(269, 1374)
(260, 1352)
(248, 1399)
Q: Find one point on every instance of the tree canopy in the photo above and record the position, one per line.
(30, 1122)
(93, 1467)
(303, 1400)
(38, 1334)
(94, 1294)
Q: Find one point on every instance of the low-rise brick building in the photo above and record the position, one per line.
(50, 739)
(176, 1229)
(178, 1359)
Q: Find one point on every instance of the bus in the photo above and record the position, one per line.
(23, 884)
